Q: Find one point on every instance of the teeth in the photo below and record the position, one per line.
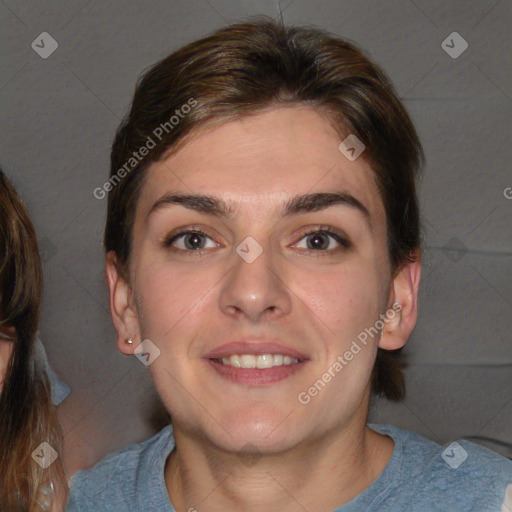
(260, 361)
(248, 361)
(233, 361)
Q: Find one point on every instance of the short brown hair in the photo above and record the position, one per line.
(244, 68)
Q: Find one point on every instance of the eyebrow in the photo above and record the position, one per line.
(304, 203)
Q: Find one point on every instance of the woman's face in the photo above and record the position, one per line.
(259, 274)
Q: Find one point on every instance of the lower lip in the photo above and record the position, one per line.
(256, 376)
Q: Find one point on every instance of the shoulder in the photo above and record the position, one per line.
(461, 474)
(121, 479)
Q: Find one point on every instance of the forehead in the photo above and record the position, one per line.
(261, 160)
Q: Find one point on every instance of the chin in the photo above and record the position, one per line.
(266, 429)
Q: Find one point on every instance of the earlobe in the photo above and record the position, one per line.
(122, 308)
(403, 311)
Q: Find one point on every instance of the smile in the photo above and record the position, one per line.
(253, 375)
(257, 361)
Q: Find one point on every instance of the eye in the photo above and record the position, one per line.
(189, 240)
(317, 240)
(321, 239)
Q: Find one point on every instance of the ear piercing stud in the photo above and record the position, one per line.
(130, 341)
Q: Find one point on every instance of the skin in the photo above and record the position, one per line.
(316, 456)
(6, 348)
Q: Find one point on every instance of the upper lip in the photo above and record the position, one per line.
(255, 346)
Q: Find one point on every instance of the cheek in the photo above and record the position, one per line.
(177, 306)
(346, 300)
(165, 295)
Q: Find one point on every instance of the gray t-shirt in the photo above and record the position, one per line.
(421, 476)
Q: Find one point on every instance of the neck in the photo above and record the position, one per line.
(321, 474)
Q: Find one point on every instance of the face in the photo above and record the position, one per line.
(305, 282)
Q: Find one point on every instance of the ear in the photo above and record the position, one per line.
(122, 306)
(402, 310)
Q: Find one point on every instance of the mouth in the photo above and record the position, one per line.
(255, 361)
(261, 361)
(256, 371)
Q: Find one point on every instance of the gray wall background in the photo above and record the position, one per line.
(59, 115)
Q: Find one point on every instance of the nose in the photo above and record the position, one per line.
(257, 288)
